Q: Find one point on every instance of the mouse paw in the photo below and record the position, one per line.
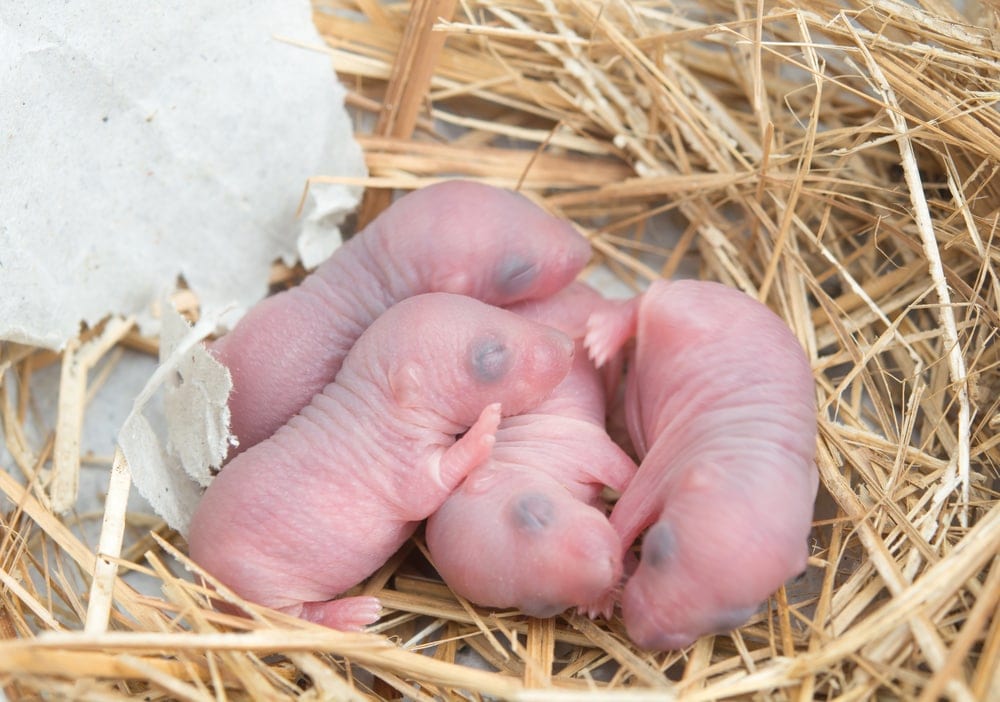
(346, 614)
(603, 606)
(471, 450)
(608, 329)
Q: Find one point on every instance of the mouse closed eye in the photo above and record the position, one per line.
(516, 273)
(531, 513)
(659, 546)
(489, 359)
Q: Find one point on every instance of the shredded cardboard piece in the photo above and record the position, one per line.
(195, 403)
(133, 158)
(171, 471)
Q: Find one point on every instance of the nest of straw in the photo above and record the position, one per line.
(836, 159)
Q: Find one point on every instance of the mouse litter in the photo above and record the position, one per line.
(836, 161)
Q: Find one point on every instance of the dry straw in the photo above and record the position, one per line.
(836, 159)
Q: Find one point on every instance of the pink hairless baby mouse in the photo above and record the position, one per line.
(311, 511)
(457, 236)
(720, 407)
(525, 529)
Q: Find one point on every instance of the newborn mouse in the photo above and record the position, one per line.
(720, 407)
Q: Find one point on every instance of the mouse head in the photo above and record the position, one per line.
(450, 356)
(720, 548)
(524, 543)
(473, 239)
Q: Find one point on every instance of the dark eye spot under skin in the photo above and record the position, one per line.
(533, 512)
(490, 360)
(658, 546)
(515, 273)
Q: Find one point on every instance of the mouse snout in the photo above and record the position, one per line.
(651, 624)
(552, 352)
(724, 622)
(565, 347)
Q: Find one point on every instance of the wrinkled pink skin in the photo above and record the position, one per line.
(720, 407)
(320, 505)
(525, 529)
(457, 236)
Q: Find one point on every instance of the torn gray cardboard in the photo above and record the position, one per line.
(143, 142)
(171, 464)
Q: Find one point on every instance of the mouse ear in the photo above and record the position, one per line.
(406, 383)
(457, 282)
